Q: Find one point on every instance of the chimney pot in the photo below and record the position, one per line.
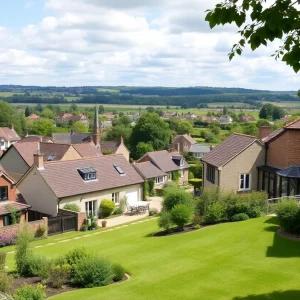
(38, 159)
(264, 131)
(11, 126)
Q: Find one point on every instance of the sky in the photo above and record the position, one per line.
(128, 42)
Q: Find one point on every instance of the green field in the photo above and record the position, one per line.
(108, 90)
(232, 261)
(8, 94)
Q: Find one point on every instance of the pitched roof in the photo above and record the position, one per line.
(35, 138)
(228, 149)
(293, 125)
(187, 137)
(64, 179)
(87, 150)
(8, 176)
(200, 148)
(71, 138)
(9, 134)
(148, 170)
(17, 205)
(109, 146)
(33, 116)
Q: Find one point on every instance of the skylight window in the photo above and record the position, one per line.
(51, 157)
(87, 174)
(119, 170)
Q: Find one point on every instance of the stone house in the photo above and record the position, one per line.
(183, 143)
(8, 136)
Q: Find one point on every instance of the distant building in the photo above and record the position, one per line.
(189, 116)
(246, 119)
(209, 119)
(66, 117)
(8, 136)
(224, 120)
(33, 117)
(199, 151)
(170, 114)
(182, 143)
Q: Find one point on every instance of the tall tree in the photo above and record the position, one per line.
(42, 127)
(101, 109)
(80, 127)
(142, 148)
(262, 21)
(184, 127)
(27, 111)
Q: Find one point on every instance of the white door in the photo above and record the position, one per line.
(132, 195)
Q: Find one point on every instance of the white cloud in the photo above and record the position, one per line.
(134, 42)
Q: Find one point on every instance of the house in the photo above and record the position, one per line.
(246, 119)
(33, 117)
(87, 150)
(199, 151)
(209, 119)
(106, 124)
(19, 157)
(35, 138)
(269, 163)
(8, 136)
(109, 116)
(71, 138)
(232, 165)
(115, 147)
(9, 199)
(66, 117)
(183, 143)
(168, 162)
(170, 114)
(225, 120)
(189, 116)
(85, 182)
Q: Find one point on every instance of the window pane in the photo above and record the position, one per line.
(242, 181)
(247, 186)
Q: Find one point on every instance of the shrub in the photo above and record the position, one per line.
(207, 198)
(176, 196)
(2, 261)
(196, 169)
(73, 257)
(107, 207)
(197, 220)
(169, 184)
(146, 189)
(119, 272)
(238, 208)
(151, 184)
(288, 213)
(92, 272)
(35, 265)
(15, 215)
(40, 231)
(239, 217)
(214, 213)
(191, 175)
(28, 292)
(165, 220)
(153, 212)
(44, 270)
(7, 239)
(197, 226)
(254, 212)
(181, 215)
(59, 275)
(5, 282)
(72, 207)
(118, 211)
(123, 202)
(176, 176)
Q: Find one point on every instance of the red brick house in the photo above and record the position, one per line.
(10, 199)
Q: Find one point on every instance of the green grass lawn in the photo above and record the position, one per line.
(224, 262)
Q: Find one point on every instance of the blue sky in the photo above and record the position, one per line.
(132, 42)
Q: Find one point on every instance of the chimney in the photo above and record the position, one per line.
(11, 126)
(264, 131)
(122, 140)
(96, 129)
(38, 159)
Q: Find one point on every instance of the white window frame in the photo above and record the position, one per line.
(169, 176)
(181, 173)
(91, 208)
(115, 197)
(159, 180)
(242, 181)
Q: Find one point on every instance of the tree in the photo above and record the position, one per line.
(48, 113)
(80, 127)
(185, 106)
(39, 108)
(184, 127)
(150, 109)
(42, 127)
(27, 111)
(122, 121)
(266, 111)
(74, 107)
(250, 129)
(9, 116)
(278, 113)
(101, 109)
(150, 128)
(269, 20)
(142, 148)
(115, 133)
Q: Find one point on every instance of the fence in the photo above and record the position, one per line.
(62, 224)
(273, 201)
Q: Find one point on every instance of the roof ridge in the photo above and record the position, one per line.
(247, 135)
(291, 123)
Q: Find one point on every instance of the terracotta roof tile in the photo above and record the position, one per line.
(187, 137)
(9, 134)
(64, 179)
(293, 125)
(228, 149)
(17, 205)
(109, 145)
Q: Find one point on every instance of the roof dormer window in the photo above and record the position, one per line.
(51, 157)
(119, 170)
(88, 174)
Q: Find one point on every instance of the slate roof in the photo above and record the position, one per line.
(8, 134)
(196, 148)
(17, 205)
(35, 138)
(148, 170)
(71, 138)
(87, 150)
(64, 179)
(109, 145)
(292, 172)
(228, 149)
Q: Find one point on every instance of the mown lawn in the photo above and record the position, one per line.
(224, 262)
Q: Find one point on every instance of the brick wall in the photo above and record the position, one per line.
(294, 148)
(81, 216)
(34, 226)
(11, 188)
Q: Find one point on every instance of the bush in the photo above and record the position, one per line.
(181, 215)
(151, 184)
(197, 226)
(59, 275)
(196, 169)
(72, 207)
(118, 211)
(165, 220)
(169, 184)
(106, 207)
(288, 213)
(7, 239)
(44, 270)
(207, 198)
(41, 231)
(191, 175)
(153, 212)
(5, 282)
(28, 292)
(92, 272)
(176, 196)
(214, 213)
(239, 217)
(2, 261)
(73, 257)
(119, 272)
(197, 220)
(35, 265)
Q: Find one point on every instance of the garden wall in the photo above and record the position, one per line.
(81, 216)
(34, 226)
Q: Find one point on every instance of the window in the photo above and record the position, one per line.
(51, 157)
(7, 220)
(119, 169)
(88, 174)
(159, 180)
(181, 173)
(115, 197)
(170, 176)
(181, 162)
(210, 173)
(91, 208)
(3, 192)
(198, 154)
(245, 182)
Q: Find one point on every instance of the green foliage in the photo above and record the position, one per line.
(176, 176)
(118, 211)
(28, 292)
(196, 183)
(116, 132)
(59, 275)
(191, 175)
(151, 184)
(74, 256)
(142, 148)
(80, 127)
(47, 113)
(250, 129)
(264, 22)
(15, 215)
(184, 127)
(270, 111)
(9, 116)
(72, 207)
(101, 109)
(123, 121)
(107, 207)
(35, 265)
(174, 196)
(181, 215)
(145, 189)
(42, 127)
(288, 213)
(2, 261)
(169, 184)
(153, 212)
(107, 152)
(92, 272)
(123, 202)
(239, 217)
(6, 282)
(214, 213)
(165, 220)
(40, 232)
(119, 272)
